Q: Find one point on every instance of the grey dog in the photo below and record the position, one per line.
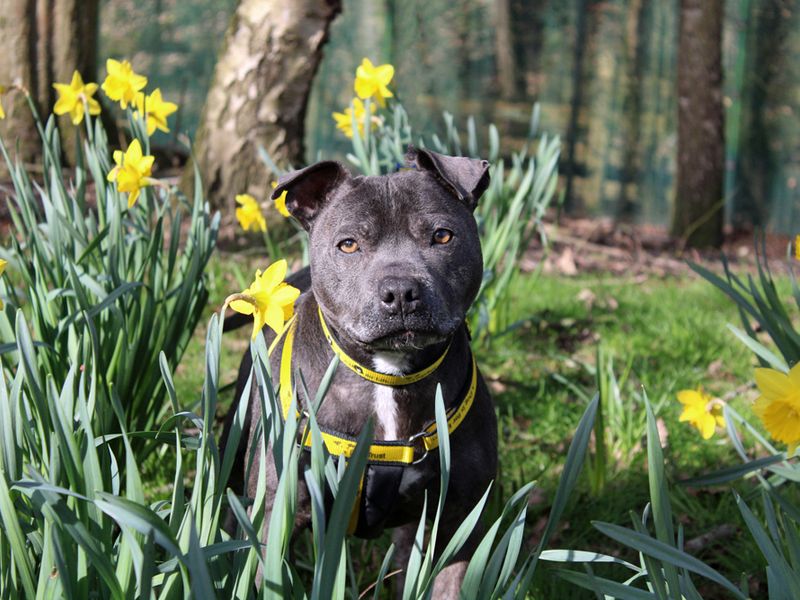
(395, 263)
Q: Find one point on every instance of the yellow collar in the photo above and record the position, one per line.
(381, 451)
(375, 376)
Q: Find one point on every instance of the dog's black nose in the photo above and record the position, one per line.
(399, 295)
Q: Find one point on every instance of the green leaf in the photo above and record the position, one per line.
(732, 473)
(664, 552)
(581, 556)
(605, 586)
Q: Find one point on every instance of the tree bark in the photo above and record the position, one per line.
(504, 49)
(585, 31)
(698, 214)
(528, 29)
(42, 42)
(770, 24)
(632, 110)
(259, 94)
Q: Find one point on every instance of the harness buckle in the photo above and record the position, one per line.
(414, 438)
(419, 435)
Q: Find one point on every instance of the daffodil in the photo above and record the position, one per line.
(71, 97)
(701, 411)
(155, 109)
(249, 213)
(122, 83)
(344, 121)
(372, 81)
(2, 112)
(778, 406)
(796, 238)
(3, 264)
(132, 171)
(269, 299)
(280, 201)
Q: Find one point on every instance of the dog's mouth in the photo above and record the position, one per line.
(408, 336)
(405, 340)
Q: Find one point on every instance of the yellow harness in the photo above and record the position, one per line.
(381, 451)
(386, 458)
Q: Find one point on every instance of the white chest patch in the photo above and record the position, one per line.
(385, 406)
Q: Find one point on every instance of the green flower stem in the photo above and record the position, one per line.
(272, 249)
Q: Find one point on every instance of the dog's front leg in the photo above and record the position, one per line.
(448, 581)
(302, 510)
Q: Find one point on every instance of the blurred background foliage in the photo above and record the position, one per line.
(175, 42)
(603, 71)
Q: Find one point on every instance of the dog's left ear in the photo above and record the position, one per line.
(309, 188)
(467, 178)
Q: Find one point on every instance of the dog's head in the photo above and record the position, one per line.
(395, 259)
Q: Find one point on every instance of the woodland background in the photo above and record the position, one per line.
(610, 76)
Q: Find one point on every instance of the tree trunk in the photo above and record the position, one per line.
(767, 57)
(528, 29)
(585, 31)
(42, 42)
(259, 95)
(698, 214)
(635, 47)
(504, 49)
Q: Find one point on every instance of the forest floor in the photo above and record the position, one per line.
(584, 245)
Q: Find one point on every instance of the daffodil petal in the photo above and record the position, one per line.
(773, 384)
(707, 426)
(274, 274)
(794, 376)
(285, 294)
(242, 306)
(689, 397)
(273, 317)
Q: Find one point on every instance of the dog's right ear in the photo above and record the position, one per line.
(308, 189)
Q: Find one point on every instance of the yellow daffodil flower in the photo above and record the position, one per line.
(249, 213)
(3, 264)
(2, 112)
(778, 406)
(71, 98)
(371, 81)
(344, 121)
(155, 109)
(796, 239)
(701, 411)
(132, 171)
(280, 201)
(270, 299)
(122, 83)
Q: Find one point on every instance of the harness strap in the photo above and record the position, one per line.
(381, 451)
(375, 376)
(399, 453)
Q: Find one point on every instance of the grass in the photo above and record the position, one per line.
(668, 334)
(662, 334)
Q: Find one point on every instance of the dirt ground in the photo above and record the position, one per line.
(601, 245)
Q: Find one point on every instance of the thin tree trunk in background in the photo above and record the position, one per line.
(504, 49)
(584, 34)
(17, 66)
(527, 26)
(697, 214)
(635, 45)
(42, 42)
(259, 94)
(755, 160)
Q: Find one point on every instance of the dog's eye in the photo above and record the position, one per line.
(442, 236)
(348, 246)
